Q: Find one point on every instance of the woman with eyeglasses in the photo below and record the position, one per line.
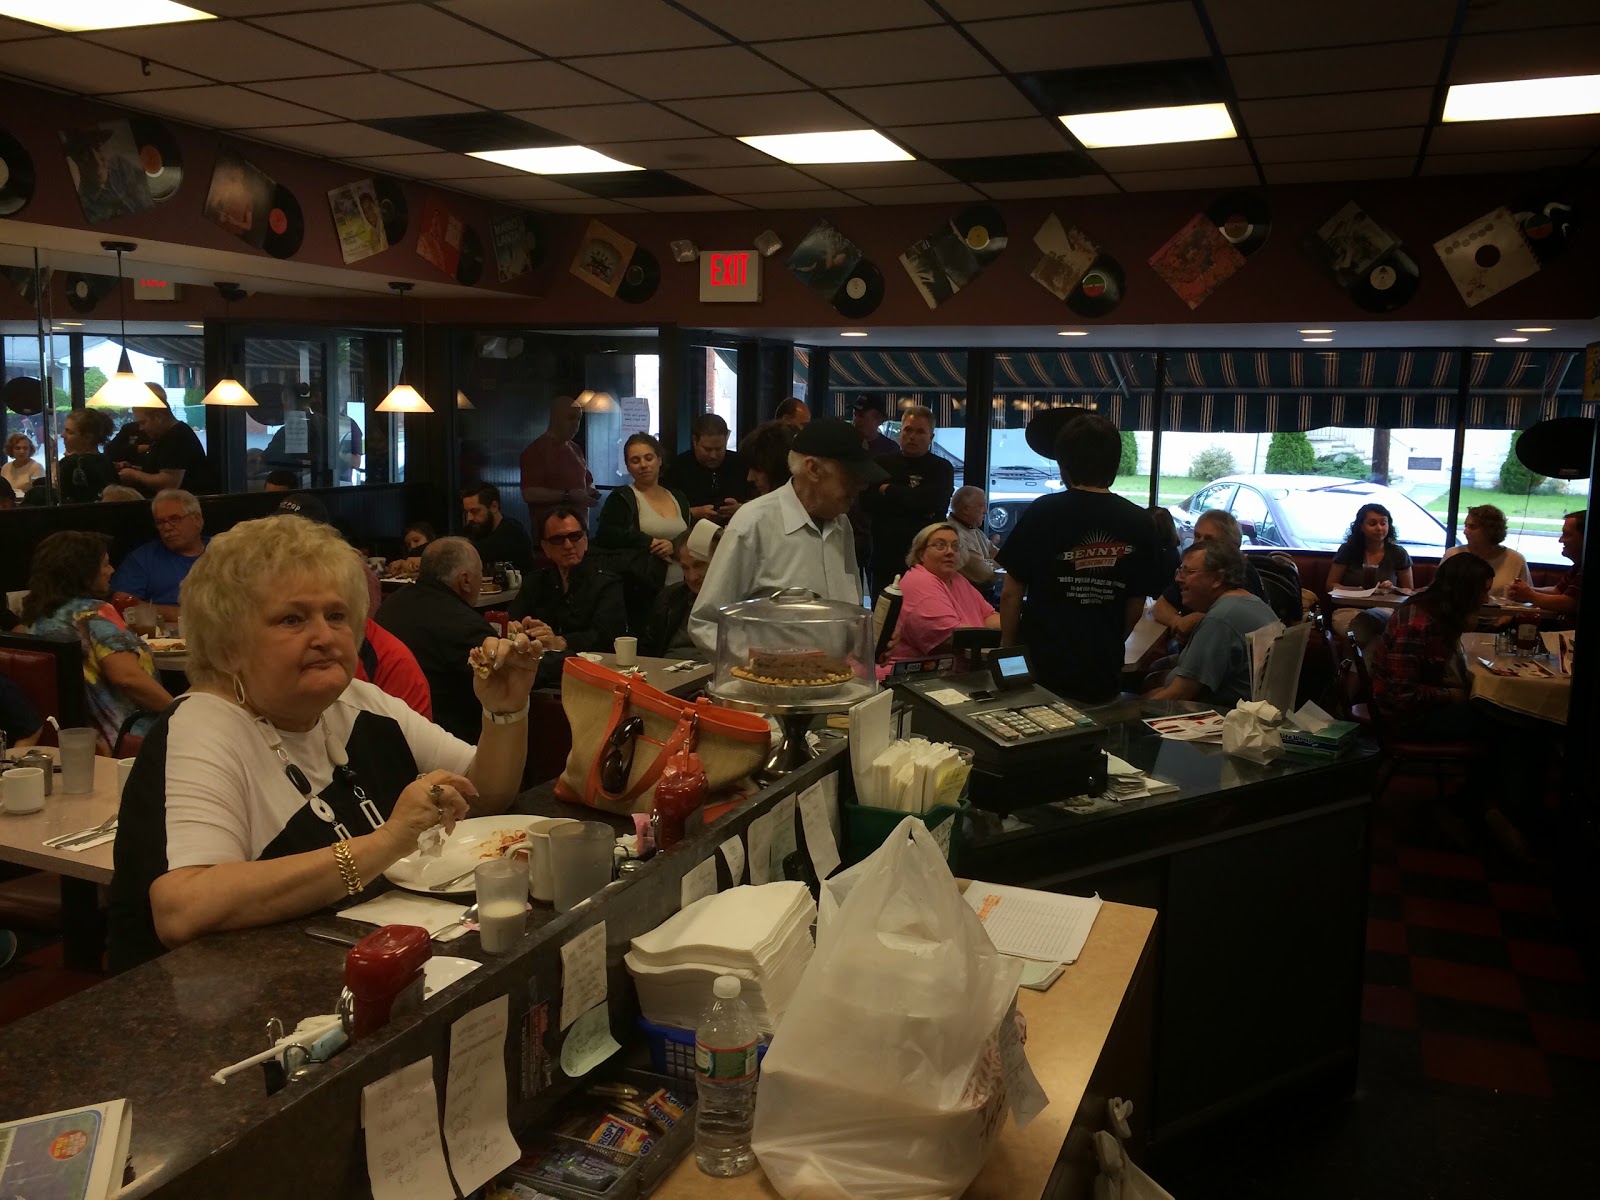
(84, 471)
(20, 470)
(937, 598)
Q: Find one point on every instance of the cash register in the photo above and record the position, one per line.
(1029, 745)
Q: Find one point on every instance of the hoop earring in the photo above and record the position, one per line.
(238, 692)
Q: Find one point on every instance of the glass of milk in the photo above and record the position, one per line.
(502, 903)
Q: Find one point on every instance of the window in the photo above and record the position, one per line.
(895, 380)
(1249, 508)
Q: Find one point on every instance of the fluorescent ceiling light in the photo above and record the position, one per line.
(1073, 333)
(1316, 339)
(75, 16)
(1150, 126)
(1560, 96)
(839, 146)
(1511, 340)
(854, 333)
(555, 160)
(1533, 329)
(1316, 331)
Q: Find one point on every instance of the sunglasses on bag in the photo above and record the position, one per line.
(566, 539)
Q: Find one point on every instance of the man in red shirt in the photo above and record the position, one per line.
(554, 471)
(1561, 598)
(385, 661)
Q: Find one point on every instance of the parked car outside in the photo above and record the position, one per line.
(1307, 512)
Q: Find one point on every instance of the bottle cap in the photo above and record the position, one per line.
(726, 987)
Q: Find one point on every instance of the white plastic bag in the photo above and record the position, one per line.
(884, 1082)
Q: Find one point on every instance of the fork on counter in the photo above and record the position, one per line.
(64, 840)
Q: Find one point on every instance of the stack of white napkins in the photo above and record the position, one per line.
(760, 934)
(915, 775)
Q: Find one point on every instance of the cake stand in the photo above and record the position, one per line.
(795, 713)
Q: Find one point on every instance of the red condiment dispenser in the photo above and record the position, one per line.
(383, 974)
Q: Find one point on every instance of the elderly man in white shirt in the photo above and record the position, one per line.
(796, 536)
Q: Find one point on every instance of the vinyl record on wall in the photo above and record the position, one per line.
(641, 277)
(469, 266)
(1546, 220)
(16, 175)
(1243, 219)
(1388, 283)
(286, 227)
(392, 206)
(1100, 290)
(861, 293)
(23, 396)
(1559, 447)
(983, 229)
(84, 292)
(159, 155)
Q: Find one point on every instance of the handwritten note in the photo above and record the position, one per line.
(698, 883)
(583, 973)
(589, 1042)
(733, 851)
(405, 1158)
(759, 834)
(784, 841)
(823, 849)
(475, 1128)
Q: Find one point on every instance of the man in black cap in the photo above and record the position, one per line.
(917, 494)
(796, 536)
(868, 418)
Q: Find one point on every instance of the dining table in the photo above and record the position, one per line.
(487, 598)
(1538, 687)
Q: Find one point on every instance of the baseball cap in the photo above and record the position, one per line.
(829, 437)
(304, 504)
(868, 404)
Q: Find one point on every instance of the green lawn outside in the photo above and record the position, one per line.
(1172, 488)
(1544, 510)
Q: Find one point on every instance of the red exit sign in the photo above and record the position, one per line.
(154, 289)
(730, 276)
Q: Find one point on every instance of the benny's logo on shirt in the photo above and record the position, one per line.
(1098, 551)
(914, 481)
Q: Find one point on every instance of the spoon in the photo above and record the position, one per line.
(468, 914)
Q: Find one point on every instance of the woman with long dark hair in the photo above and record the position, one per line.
(1371, 542)
(69, 585)
(1419, 678)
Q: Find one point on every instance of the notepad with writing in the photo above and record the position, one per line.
(1038, 925)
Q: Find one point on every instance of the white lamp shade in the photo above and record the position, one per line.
(461, 400)
(404, 399)
(124, 390)
(596, 402)
(230, 393)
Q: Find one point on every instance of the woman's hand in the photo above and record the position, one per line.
(511, 665)
(661, 548)
(418, 810)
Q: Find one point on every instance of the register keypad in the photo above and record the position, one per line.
(1014, 724)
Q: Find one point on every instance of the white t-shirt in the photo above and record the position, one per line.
(1509, 567)
(227, 796)
(20, 476)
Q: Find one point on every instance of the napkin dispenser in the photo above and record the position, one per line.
(383, 977)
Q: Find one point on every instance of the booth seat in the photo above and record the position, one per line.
(1313, 566)
(49, 670)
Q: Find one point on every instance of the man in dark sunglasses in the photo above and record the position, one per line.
(573, 604)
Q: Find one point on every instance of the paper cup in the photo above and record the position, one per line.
(627, 651)
(541, 885)
(124, 769)
(22, 790)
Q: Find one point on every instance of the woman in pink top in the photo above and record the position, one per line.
(938, 600)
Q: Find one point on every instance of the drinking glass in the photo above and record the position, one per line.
(502, 903)
(77, 760)
(580, 861)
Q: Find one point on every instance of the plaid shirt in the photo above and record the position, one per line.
(1410, 670)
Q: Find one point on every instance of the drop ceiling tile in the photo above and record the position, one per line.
(1328, 114)
(251, 8)
(892, 174)
(976, 139)
(437, 165)
(731, 181)
(1320, 147)
(224, 50)
(364, 97)
(928, 193)
(1178, 156)
(395, 36)
(1031, 189)
(338, 141)
(861, 59)
(586, 206)
(1103, 37)
(221, 107)
(1197, 177)
(1500, 163)
(689, 203)
(1492, 15)
(1488, 57)
(751, 22)
(12, 30)
(507, 86)
(563, 28)
(1244, 26)
(811, 200)
(1344, 169)
(612, 122)
(519, 187)
(784, 112)
(1472, 137)
(685, 152)
(1309, 72)
(953, 100)
(681, 74)
(81, 66)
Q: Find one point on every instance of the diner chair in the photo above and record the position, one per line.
(49, 670)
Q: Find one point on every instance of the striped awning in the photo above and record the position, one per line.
(905, 370)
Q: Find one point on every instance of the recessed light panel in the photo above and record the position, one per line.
(1558, 96)
(1316, 331)
(854, 333)
(75, 16)
(1533, 329)
(1316, 339)
(555, 160)
(1151, 126)
(1073, 333)
(1511, 340)
(839, 146)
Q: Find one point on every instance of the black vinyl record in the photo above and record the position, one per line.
(983, 229)
(286, 228)
(1546, 220)
(1100, 290)
(392, 206)
(23, 396)
(1243, 219)
(159, 155)
(469, 266)
(1558, 447)
(861, 292)
(1388, 283)
(16, 175)
(640, 280)
(84, 292)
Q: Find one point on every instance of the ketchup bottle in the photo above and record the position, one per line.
(384, 976)
(681, 790)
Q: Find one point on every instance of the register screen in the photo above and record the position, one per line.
(1013, 667)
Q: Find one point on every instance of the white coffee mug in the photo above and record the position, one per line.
(627, 651)
(22, 790)
(540, 884)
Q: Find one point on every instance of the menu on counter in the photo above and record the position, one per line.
(405, 1158)
(583, 973)
(475, 1128)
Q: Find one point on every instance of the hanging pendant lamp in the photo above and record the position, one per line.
(229, 392)
(403, 398)
(124, 389)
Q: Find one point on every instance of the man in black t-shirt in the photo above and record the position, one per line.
(175, 458)
(712, 477)
(917, 494)
(496, 537)
(1078, 568)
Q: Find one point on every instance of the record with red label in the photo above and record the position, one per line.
(159, 156)
(16, 175)
(286, 227)
(1388, 283)
(1546, 220)
(1243, 219)
(1100, 290)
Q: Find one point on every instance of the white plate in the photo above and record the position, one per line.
(470, 843)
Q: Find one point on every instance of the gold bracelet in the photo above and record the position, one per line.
(347, 868)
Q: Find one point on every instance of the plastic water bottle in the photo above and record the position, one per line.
(725, 1048)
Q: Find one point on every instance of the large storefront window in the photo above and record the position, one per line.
(895, 380)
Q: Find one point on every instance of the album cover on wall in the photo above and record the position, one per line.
(512, 247)
(824, 259)
(1197, 260)
(358, 218)
(439, 237)
(1348, 244)
(1068, 253)
(240, 197)
(1486, 257)
(602, 258)
(107, 171)
(921, 262)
